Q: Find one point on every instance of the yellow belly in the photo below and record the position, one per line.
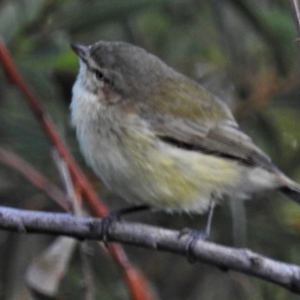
(167, 177)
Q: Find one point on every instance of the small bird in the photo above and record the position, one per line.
(159, 139)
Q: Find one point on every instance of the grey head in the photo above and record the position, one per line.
(123, 68)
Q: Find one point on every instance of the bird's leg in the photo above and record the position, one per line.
(115, 215)
(207, 229)
(195, 235)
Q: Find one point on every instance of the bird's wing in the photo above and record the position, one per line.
(191, 117)
(222, 139)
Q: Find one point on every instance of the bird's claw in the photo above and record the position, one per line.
(193, 237)
(107, 221)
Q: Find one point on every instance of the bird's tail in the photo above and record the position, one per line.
(292, 191)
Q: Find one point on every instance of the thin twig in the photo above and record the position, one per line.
(35, 178)
(242, 260)
(296, 16)
(63, 171)
(87, 272)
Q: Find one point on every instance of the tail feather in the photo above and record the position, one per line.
(292, 191)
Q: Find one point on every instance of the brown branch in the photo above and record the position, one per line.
(133, 278)
(241, 260)
(35, 178)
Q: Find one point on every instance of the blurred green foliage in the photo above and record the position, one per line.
(242, 50)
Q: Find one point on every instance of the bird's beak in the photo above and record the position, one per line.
(80, 50)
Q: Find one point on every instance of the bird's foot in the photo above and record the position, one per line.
(193, 237)
(107, 221)
(115, 216)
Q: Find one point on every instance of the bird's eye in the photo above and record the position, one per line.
(99, 75)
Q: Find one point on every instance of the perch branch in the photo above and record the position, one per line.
(226, 258)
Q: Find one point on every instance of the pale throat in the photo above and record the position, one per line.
(85, 104)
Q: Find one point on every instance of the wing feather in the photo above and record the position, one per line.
(223, 139)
